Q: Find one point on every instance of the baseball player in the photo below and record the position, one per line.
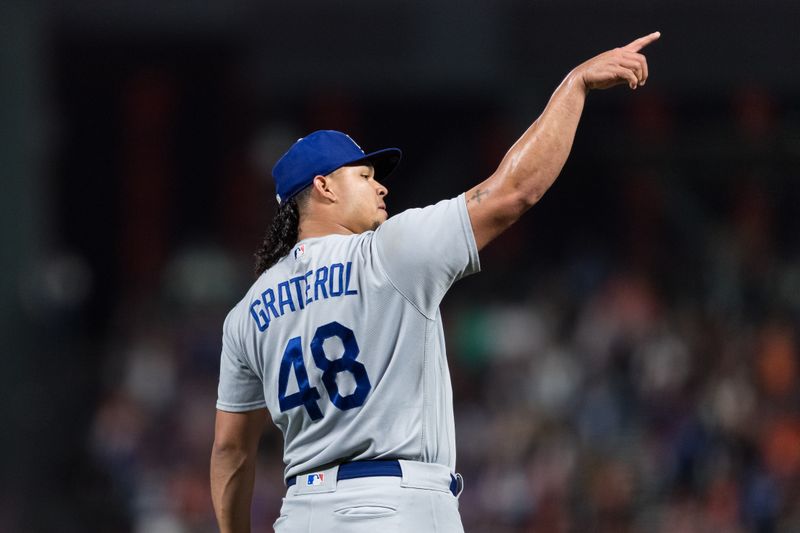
(340, 339)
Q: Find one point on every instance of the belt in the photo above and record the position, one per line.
(375, 468)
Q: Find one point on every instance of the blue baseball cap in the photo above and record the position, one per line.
(319, 154)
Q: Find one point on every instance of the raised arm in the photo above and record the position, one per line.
(233, 467)
(535, 160)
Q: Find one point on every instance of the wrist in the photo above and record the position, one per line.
(576, 80)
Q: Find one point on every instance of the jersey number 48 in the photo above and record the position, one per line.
(307, 395)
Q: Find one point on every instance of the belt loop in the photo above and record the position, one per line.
(459, 485)
(418, 475)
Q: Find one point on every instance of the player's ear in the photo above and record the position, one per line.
(322, 187)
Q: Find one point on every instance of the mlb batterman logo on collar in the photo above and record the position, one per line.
(319, 154)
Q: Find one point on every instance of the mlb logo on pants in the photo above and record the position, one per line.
(315, 479)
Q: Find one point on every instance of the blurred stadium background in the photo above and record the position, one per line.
(626, 362)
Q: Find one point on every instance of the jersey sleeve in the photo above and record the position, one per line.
(424, 251)
(240, 389)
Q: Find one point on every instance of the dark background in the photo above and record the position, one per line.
(626, 361)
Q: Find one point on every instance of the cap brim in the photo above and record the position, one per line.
(383, 161)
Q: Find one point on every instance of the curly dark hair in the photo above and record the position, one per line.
(282, 233)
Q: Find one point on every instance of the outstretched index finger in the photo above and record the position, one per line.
(641, 42)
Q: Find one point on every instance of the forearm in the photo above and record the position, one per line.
(232, 479)
(534, 162)
(530, 166)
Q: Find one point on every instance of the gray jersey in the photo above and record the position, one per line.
(342, 342)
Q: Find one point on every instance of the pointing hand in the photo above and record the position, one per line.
(617, 66)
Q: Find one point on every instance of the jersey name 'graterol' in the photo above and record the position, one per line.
(329, 282)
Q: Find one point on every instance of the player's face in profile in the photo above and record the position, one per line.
(362, 198)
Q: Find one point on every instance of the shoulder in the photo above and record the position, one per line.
(426, 222)
(234, 320)
(448, 204)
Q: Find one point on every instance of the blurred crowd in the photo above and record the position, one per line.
(637, 373)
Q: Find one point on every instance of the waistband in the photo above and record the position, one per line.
(372, 468)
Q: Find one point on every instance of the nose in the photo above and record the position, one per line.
(382, 190)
